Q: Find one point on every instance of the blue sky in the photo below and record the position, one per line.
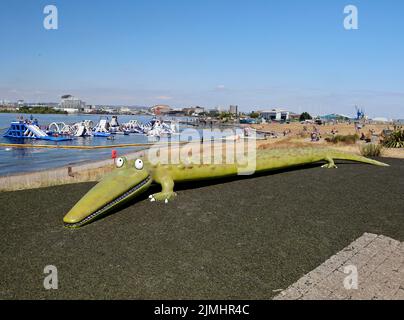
(258, 54)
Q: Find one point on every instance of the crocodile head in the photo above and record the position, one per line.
(128, 180)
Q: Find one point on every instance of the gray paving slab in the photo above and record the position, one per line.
(378, 262)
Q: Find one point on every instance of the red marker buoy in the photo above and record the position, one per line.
(113, 155)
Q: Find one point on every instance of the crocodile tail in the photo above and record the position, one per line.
(358, 158)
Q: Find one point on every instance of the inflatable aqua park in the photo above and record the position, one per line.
(30, 130)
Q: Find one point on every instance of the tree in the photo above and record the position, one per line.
(225, 115)
(254, 115)
(305, 116)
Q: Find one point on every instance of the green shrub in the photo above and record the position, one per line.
(348, 139)
(395, 140)
(371, 150)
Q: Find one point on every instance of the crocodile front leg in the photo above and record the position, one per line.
(167, 193)
(330, 164)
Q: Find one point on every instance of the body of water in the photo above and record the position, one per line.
(18, 160)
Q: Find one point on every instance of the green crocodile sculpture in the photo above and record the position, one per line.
(131, 178)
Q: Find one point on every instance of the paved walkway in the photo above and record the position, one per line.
(377, 262)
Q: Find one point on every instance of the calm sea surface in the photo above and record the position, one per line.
(16, 160)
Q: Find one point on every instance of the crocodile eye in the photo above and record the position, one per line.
(119, 162)
(139, 164)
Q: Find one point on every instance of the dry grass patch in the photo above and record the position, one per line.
(371, 150)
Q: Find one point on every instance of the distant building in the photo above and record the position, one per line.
(90, 109)
(246, 120)
(275, 115)
(194, 111)
(7, 107)
(40, 105)
(160, 109)
(110, 110)
(176, 113)
(126, 110)
(233, 110)
(6, 103)
(335, 117)
(214, 112)
(71, 104)
(198, 110)
(380, 119)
